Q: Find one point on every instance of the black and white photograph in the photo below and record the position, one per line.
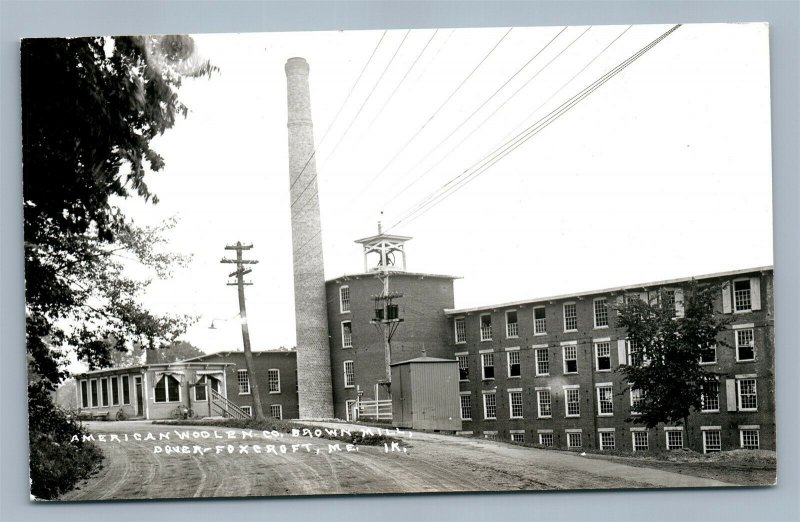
(366, 262)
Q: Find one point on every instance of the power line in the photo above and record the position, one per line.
(499, 153)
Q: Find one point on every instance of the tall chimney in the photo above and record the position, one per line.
(311, 314)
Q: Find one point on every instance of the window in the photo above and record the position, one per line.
(486, 327)
(487, 363)
(741, 295)
(572, 399)
(248, 410)
(748, 439)
(712, 441)
(244, 382)
(607, 441)
(274, 380)
(513, 363)
(347, 334)
(461, 330)
(546, 439)
(544, 403)
(126, 390)
(463, 367)
(542, 361)
(539, 321)
(104, 391)
(84, 394)
(571, 358)
(635, 356)
(600, 313)
(602, 353)
(517, 437)
(748, 400)
(570, 317)
(344, 299)
(349, 374)
(350, 414)
(515, 403)
(114, 381)
(276, 411)
(200, 389)
(490, 435)
(709, 396)
(674, 439)
(574, 440)
(93, 386)
(466, 407)
(640, 442)
(709, 354)
(489, 406)
(669, 301)
(637, 398)
(744, 344)
(512, 326)
(168, 389)
(605, 400)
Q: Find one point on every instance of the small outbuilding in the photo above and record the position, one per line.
(425, 394)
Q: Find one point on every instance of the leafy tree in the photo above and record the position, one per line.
(666, 352)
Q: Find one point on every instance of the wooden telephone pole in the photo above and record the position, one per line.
(240, 272)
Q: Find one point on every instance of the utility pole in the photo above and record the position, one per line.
(240, 272)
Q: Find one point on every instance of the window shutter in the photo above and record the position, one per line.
(755, 293)
(679, 302)
(730, 391)
(726, 297)
(621, 351)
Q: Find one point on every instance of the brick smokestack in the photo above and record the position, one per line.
(311, 315)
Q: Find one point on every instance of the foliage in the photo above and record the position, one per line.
(667, 351)
(56, 463)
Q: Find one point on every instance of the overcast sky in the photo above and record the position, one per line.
(662, 172)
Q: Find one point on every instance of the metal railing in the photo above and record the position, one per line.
(222, 406)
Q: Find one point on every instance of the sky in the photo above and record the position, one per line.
(661, 172)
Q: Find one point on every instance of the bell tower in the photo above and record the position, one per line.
(384, 252)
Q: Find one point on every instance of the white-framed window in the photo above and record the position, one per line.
(104, 391)
(126, 389)
(742, 301)
(605, 400)
(490, 435)
(546, 439)
(640, 441)
(636, 401)
(276, 411)
(200, 387)
(274, 380)
(512, 326)
(745, 348)
(514, 369)
(602, 355)
(167, 389)
(349, 374)
(463, 367)
(93, 395)
(489, 406)
(712, 441)
(607, 440)
(709, 355)
(635, 355)
(749, 438)
(466, 406)
(570, 317)
(539, 321)
(114, 382)
(517, 436)
(748, 397)
(487, 365)
(347, 334)
(542, 361)
(709, 396)
(515, 403)
(600, 312)
(486, 327)
(349, 407)
(84, 394)
(344, 299)
(544, 403)
(674, 439)
(572, 401)
(570, 358)
(574, 439)
(460, 326)
(244, 382)
(247, 409)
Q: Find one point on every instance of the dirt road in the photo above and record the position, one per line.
(209, 464)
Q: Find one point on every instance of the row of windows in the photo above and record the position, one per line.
(745, 389)
(275, 410)
(273, 381)
(105, 391)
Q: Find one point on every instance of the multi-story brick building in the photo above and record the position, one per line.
(543, 370)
